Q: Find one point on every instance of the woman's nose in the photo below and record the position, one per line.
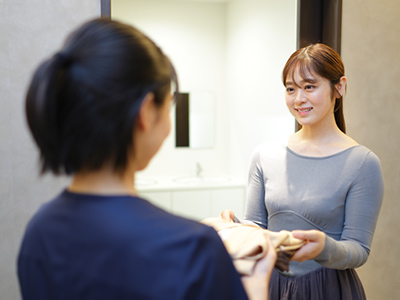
(300, 97)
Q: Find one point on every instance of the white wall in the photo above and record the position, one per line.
(193, 35)
(261, 37)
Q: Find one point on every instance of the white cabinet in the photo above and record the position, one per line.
(161, 199)
(199, 203)
(194, 204)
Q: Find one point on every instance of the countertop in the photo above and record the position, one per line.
(147, 184)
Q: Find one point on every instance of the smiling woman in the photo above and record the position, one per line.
(317, 67)
(307, 97)
(321, 185)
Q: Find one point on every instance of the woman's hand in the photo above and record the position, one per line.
(256, 285)
(228, 215)
(313, 247)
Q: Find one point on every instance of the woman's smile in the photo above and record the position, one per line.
(310, 99)
(303, 111)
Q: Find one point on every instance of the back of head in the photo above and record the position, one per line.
(324, 61)
(82, 103)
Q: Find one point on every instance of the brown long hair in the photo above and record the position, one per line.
(324, 61)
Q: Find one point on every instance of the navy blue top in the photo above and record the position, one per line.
(121, 247)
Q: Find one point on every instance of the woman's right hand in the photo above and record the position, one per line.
(228, 215)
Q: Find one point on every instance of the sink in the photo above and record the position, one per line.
(141, 182)
(201, 180)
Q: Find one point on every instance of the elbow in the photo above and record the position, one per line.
(359, 258)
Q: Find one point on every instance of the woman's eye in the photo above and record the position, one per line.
(289, 89)
(309, 87)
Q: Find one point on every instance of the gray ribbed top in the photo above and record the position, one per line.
(340, 194)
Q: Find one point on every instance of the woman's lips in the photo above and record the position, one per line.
(303, 111)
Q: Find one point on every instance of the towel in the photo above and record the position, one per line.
(247, 243)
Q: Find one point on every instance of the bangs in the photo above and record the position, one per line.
(304, 66)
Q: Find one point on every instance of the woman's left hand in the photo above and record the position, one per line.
(228, 215)
(313, 247)
(256, 285)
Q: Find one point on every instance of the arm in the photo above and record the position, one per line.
(256, 285)
(362, 208)
(256, 211)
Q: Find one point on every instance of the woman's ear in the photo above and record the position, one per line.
(147, 113)
(341, 87)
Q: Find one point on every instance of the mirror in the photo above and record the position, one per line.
(194, 120)
(196, 45)
(233, 49)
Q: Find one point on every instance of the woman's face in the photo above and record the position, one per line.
(310, 100)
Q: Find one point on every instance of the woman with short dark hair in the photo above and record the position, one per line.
(99, 110)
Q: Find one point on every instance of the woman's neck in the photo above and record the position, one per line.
(320, 134)
(103, 182)
(320, 141)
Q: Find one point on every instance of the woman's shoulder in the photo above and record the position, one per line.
(363, 152)
(366, 157)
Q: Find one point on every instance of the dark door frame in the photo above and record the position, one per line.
(105, 8)
(319, 21)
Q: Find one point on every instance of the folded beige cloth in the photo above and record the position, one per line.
(247, 243)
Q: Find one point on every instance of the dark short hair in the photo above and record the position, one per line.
(82, 103)
(324, 61)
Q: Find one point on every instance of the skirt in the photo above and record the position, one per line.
(321, 284)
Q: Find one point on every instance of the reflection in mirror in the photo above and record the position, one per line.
(194, 120)
(186, 31)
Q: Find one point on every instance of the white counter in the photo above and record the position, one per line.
(193, 197)
(146, 184)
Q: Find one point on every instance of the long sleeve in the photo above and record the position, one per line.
(256, 211)
(363, 204)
